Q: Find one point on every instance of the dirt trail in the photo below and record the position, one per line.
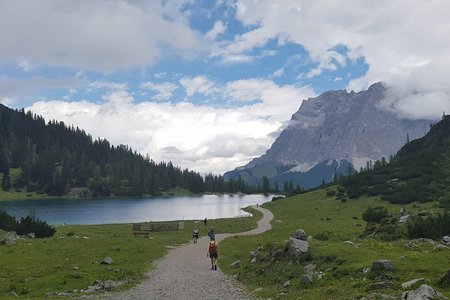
(185, 273)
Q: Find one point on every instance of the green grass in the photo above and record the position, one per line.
(341, 264)
(70, 260)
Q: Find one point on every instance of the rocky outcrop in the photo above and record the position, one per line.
(421, 293)
(335, 127)
(10, 238)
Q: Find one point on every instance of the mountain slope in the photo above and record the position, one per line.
(419, 172)
(336, 125)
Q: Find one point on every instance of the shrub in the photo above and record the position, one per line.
(433, 226)
(331, 193)
(375, 215)
(7, 222)
(39, 228)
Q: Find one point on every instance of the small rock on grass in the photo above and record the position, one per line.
(106, 261)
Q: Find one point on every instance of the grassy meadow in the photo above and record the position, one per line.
(331, 222)
(69, 261)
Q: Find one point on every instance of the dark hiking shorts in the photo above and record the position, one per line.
(213, 255)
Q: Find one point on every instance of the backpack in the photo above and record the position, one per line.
(212, 248)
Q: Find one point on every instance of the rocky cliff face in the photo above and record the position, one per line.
(337, 125)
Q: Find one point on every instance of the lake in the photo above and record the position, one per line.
(129, 210)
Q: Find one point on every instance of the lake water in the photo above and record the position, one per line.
(129, 210)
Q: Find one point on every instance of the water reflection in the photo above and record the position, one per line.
(127, 210)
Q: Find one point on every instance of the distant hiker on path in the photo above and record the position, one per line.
(195, 234)
(211, 234)
(205, 221)
(213, 249)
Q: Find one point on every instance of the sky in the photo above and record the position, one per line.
(209, 85)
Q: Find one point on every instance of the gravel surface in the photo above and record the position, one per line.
(185, 273)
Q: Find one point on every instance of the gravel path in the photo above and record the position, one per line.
(185, 273)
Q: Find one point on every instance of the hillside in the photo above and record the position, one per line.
(419, 171)
(53, 159)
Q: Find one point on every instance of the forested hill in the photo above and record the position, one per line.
(52, 158)
(419, 172)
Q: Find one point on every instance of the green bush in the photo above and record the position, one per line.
(26, 225)
(433, 226)
(375, 215)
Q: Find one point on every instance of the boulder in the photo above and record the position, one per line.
(446, 240)
(300, 234)
(31, 235)
(236, 264)
(309, 269)
(287, 284)
(440, 247)
(410, 245)
(410, 283)
(10, 238)
(422, 293)
(445, 280)
(382, 265)
(106, 261)
(297, 247)
(99, 285)
(306, 279)
(349, 243)
(403, 219)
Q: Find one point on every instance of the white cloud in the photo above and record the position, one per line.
(403, 44)
(219, 28)
(96, 35)
(197, 137)
(198, 84)
(102, 84)
(164, 90)
(6, 101)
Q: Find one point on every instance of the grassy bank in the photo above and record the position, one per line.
(69, 261)
(331, 222)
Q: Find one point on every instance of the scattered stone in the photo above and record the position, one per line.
(287, 284)
(236, 264)
(382, 265)
(366, 270)
(349, 243)
(86, 238)
(306, 279)
(10, 238)
(403, 219)
(257, 290)
(446, 240)
(422, 292)
(300, 234)
(253, 260)
(99, 285)
(382, 285)
(402, 257)
(408, 284)
(58, 294)
(426, 241)
(440, 247)
(278, 253)
(31, 235)
(297, 247)
(410, 245)
(445, 280)
(106, 261)
(309, 269)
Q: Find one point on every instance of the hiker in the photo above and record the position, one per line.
(212, 252)
(195, 234)
(205, 221)
(211, 234)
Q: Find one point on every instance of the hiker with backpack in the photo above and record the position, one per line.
(211, 234)
(212, 252)
(195, 234)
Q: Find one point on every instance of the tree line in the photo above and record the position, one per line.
(55, 159)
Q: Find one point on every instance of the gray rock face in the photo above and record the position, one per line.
(10, 238)
(341, 125)
(106, 261)
(297, 247)
(300, 234)
(382, 265)
(422, 293)
(336, 126)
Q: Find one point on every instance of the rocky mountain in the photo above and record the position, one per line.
(344, 127)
